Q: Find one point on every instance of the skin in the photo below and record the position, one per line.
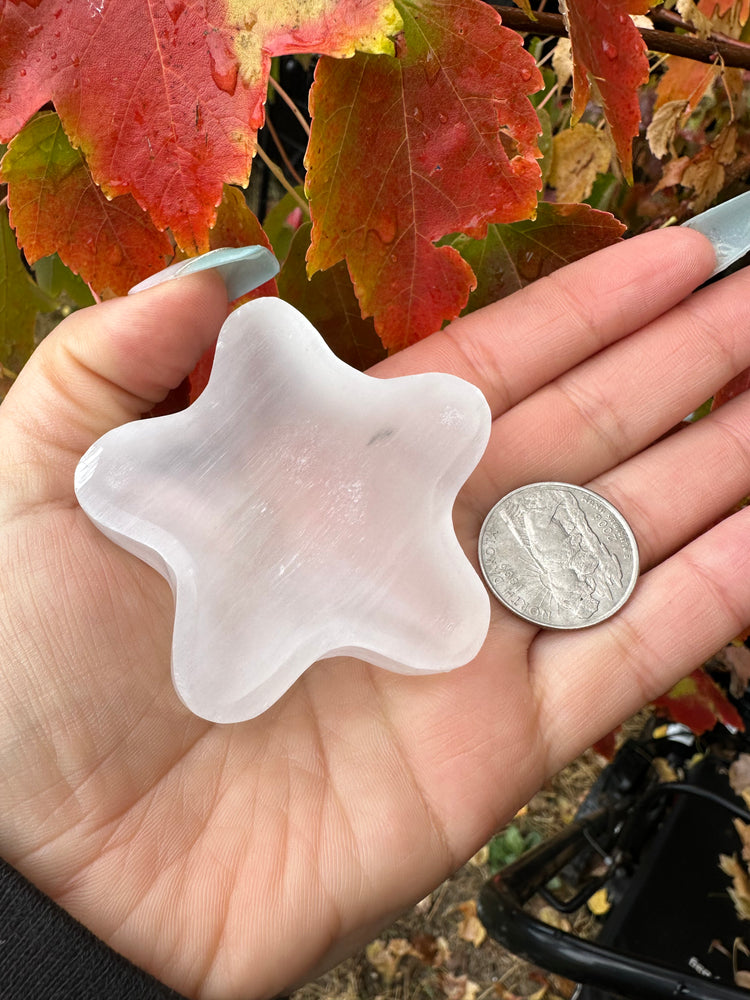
(236, 861)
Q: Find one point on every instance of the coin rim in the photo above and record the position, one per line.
(624, 524)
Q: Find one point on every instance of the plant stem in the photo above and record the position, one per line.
(278, 173)
(282, 152)
(709, 50)
(290, 104)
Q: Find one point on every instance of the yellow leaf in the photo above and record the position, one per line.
(553, 918)
(599, 903)
(481, 857)
(578, 155)
(471, 928)
(385, 958)
(661, 132)
(664, 770)
(562, 62)
(740, 889)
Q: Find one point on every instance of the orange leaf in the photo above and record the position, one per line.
(440, 139)
(685, 80)
(608, 47)
(164, 97)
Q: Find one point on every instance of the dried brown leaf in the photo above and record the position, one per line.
(562, 62)
(661, 132)
(739, 774)
(471, 928)
(743, 832)
(430, 950)
(386, 957)
(690, 13)
(705, 173)
(578, 155)
(740, 888)
(458, 987)
(736, 657)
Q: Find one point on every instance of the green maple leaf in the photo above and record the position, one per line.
(20, 301)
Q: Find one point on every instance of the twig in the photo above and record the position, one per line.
(278, 173)
(290, 103)
(280, 146)
(668, 17)
(731, 53)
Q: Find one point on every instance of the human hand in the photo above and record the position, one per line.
(237, 860)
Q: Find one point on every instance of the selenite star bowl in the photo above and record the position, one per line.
(299, 509)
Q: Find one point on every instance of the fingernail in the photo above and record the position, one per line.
(727, 227)
(242, 268)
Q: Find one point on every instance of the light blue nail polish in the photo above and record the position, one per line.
(242, 268)
(727, 226)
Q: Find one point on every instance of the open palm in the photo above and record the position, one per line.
(238, 860)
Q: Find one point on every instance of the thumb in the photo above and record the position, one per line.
(109, 364)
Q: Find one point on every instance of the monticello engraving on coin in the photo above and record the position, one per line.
(558, 555)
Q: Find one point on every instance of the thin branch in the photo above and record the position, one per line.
(731, 53)
(282, 152)
(280, 176)
(290, 103)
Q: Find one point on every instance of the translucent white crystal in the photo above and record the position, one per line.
(727, 226)
(300, 509)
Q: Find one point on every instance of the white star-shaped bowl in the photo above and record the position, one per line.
(299, 509)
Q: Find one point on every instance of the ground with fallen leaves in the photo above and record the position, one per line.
(439, 950)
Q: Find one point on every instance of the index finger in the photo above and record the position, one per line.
(511, 348)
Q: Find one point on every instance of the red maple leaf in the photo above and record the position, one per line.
(698, 702)
(403, 151)
(164, 97)
(608, 47)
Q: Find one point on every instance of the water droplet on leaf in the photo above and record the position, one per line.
(529, 265)
(431, 67)
(610, 51)
(224, 65)
(525, 74)
(417, 114)
(34, 30)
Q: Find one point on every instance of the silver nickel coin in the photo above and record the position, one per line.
(558, 555)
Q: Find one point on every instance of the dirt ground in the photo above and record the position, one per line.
(438, 951)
